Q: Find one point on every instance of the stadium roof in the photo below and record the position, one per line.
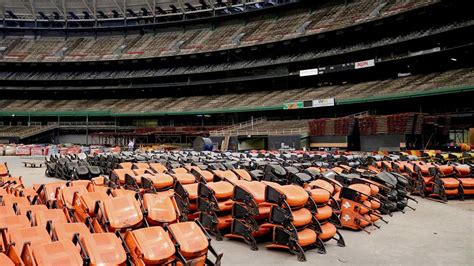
(31, 9)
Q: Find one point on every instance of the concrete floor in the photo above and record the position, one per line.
(434, 234)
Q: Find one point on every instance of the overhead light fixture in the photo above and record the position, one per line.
(453, 59)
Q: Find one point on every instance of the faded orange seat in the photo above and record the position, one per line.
(301, 217)
(191, 239)
(306, 237)
(120, 174)
(23, 209)
(243, 174)
(467, 182)
(9, 200)
(255, 188)
(324, 213)
(180, 170)
(225, 205)
(6, 211)
(104, 249)
(295, 195)
(320, 196)
(14, 221)
(185, 178)
(328, 231)
(50, 190)
(374, 204)
(450, 182)
(36, 235)
(67, 194)
(122, 212)
(66, 231)
(126, 165)
(192, 190)
(158, 167)
(160, 181)
(323, 185)
(53, 215)
(5, 261)
(208, 176)
(151, 245)
(88, 200)
(160, 209)
(83, 183)
(140, 165)
(227, 174)
(362, 188)
(224, 222)
(123, 193)
(140, 171)
(222, 189)
(57, 253)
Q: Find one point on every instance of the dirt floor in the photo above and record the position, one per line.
(434, 234)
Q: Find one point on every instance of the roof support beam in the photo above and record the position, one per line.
(58, 7)
(89, 7)
(29, 7)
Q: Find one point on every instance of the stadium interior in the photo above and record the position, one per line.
(189, 68)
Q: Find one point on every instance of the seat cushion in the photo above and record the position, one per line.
(54, 215)
(160, 180)
(185, 178)
(255, 188)
(450, 182)
(66, 231)
(192, 190)
(154, 244)
(57, 253)
(36, 235)
(328, 230)
(467, 182)
(362, 188)
(295, 195)
(323, 184)
(104, 249)
(160, 209)
(222, 189)
(306, 237)
(324, 213)
(191, 238)
(5, 261)
(123, 212)
(301, 217)
(319, 195)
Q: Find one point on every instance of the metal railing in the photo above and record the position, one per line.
(236, 127)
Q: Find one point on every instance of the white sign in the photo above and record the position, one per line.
(323, 102)
(308, 72)
(365, 63)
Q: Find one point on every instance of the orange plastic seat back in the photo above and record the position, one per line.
(160, 180)
(66, 231)
(125, 165)
(160, 209)
(53, 215)
(191, 238)
(222, 189)
(243, 174)
(9, 200)
(180, 170)
(185, 178)
(123, 212)
(140, 166)
(88, 200)
(57, 253)
(153, 244)
(295, 195)
(5, 261)
(14, 221)
(255, 188)
(120, 173)
(104, 249)
(36, 235)
(67, 194)
(158, 167)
